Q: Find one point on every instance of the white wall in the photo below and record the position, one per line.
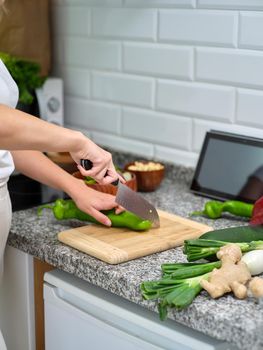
(152, 76)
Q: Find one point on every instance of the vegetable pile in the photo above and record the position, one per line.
(126, 175)
(230, 270)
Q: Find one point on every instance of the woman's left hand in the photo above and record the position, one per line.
(92, 202)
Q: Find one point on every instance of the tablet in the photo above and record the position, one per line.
(230, 166)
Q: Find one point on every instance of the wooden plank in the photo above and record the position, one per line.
(40, 268)
(116, 245)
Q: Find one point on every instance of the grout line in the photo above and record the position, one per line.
(122, 57)
(194, 64)
(238, 30)
(154, 95)
(120, 123)
(235, 107)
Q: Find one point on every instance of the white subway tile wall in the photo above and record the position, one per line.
(165, 129)
(198, 27)
(150, 77)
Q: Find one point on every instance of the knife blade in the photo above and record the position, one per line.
(131, 200)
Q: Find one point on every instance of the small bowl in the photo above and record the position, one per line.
(110, 189)
(147, 180)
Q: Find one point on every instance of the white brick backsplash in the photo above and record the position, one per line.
(150, 77)
(176, 156)
(199, 26)
(160, 3)
(250, 107)
(251, 29)
(164, 60)
(237, 67)
(92, 53)
(146, 126)
(123, 89)
(76, 81)
(71, 20)
(92, 115)
(124, 23)
(124, 144)
(202, 126)
(215, 102)
(231, 4)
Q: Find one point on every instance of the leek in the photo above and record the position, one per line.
(196, 249)
(182, 295)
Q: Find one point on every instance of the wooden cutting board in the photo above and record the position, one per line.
(117, 245)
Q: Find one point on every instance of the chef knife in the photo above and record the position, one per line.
(131, 200)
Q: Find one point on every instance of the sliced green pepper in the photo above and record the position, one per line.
(89, 180)
(67, 209)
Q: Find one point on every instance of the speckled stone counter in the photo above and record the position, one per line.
(238, 322)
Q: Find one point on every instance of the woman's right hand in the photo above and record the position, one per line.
(103, 170)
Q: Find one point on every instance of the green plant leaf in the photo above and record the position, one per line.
(26, 74)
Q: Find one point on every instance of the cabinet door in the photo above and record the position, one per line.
(17, 301)
(69, 327)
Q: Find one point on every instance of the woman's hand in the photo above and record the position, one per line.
(103, 170)
(92, 202)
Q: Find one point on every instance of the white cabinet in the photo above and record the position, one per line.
(17, 301)
(81, 316)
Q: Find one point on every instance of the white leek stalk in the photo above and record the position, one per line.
(254, 261)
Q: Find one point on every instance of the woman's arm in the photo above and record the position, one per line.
(21, 131)
(36, 165)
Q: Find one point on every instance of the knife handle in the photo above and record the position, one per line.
(87, 165)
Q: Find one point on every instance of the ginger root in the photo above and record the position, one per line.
(232, 276)
(256, 287)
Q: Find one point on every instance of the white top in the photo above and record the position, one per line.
(9, 97)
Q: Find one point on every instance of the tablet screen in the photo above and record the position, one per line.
(230, 167)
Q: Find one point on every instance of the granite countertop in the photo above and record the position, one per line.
(236, 321)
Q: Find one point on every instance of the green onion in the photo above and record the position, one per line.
(179, 285)
(196, 249)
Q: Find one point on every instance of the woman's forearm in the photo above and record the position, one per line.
(21, 131)
(37, 166)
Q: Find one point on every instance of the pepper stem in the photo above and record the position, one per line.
(194, 213)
